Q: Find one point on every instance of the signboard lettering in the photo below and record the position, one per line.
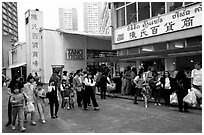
(184, 18)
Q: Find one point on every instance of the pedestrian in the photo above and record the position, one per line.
(37, 78)
(53, 99)
(157, 92)
(18, 103)
(29, 91)
(167, 84)
(15, 81)
(40, 100)
(182, 85)
(127, 77)
(89, 92)
(103, 85)
(196, 79)
(138, 85)
(62, 88)
(97, 78)
(133, 74)
(78, 85)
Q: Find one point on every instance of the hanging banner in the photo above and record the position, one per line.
(184, 18)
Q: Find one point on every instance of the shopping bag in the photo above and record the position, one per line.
(173, 98)
(197, 92)
(190, 98)
(111, 87)
(29, 107)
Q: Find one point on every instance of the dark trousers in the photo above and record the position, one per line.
(103, 92)
(137, 93)
(9, 111)
(89, 93)
(79, 97)
(54, 102)
(182, 104)
(62, 96)
(157, 95)
(167, 93)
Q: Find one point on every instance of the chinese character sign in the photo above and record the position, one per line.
(34, 41)
(184, 18)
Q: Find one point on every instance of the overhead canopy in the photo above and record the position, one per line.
(17, 65)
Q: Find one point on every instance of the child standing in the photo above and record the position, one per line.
(18, 103)
(68, 97)
(40, 95)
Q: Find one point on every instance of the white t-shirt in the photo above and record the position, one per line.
(197, 77)
(167, 83)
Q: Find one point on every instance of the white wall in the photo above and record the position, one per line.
(73, 42)
(52, 53)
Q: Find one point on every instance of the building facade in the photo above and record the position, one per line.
(17, 61)
(68, 19)
(165, 35)
(92, 16)
(10, 19)
(69, 50)
(105, 25)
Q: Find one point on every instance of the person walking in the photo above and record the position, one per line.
(182, 85)
(167, 85)
(103, 85)
(196, 79)
(40, 96)
(89, 92)
(62, 88)
(127, 77)
(157, 92)
(54, 82)
(133, 74)
(78, 85)
(138, 85)
(18, 103)
(29, 91)
(14, 82)
(53, 99)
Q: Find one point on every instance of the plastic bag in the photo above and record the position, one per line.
(197, 92)
(111, 87)
(190, 98)
(29, 107)
(173, 98)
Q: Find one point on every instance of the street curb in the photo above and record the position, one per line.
(132, 98)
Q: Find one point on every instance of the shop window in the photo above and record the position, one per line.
(131, 13)
(194, 41)
(134, 50)
(119, 4)
(120, 17)
(122, 52)
(176, 44)
(157, 8)
(176, 5)
(143, 11)
(160, 46)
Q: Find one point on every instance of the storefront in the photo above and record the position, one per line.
(69, 51)
(169, 41)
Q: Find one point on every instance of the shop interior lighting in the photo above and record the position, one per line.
(148, 50)
(179, 46)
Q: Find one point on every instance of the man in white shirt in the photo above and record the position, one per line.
(196, 76)
(196, 79)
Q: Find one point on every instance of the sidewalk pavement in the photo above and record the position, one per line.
(130, 97)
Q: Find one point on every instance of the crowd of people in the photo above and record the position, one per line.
(30, 97)
(154, 85)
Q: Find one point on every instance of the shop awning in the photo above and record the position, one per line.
(17, 65)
